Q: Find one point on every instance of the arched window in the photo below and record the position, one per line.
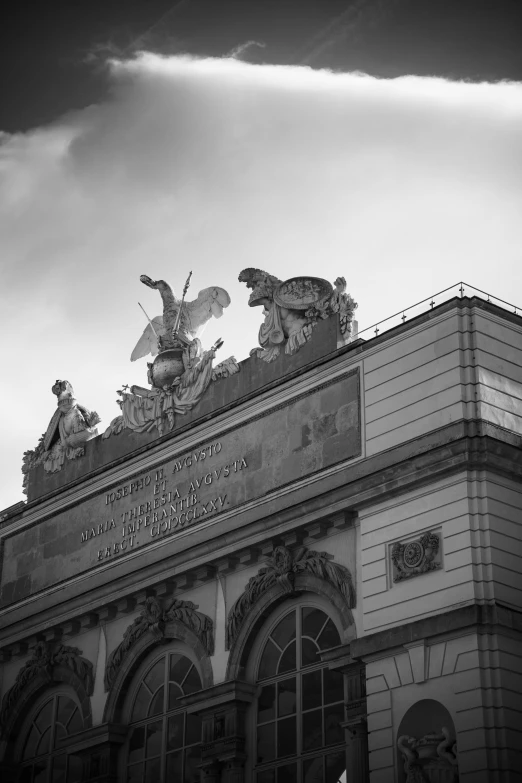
(164, 741)
(298, 715)
(44, 759)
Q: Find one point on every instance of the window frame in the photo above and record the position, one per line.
(297, 603)
(53, 692)
(134, 682)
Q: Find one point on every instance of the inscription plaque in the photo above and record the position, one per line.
(310, 433)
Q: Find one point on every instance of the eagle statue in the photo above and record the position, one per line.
(194, 315)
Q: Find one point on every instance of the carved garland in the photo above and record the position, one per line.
(44, 660)
(282, 568)
(152, 619)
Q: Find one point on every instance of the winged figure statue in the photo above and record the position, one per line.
(194, 315)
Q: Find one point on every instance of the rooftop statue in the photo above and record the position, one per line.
(159, 334)
(292, 308)
(71, 426)
(181, 372)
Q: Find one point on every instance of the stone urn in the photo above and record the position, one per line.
(167, 367)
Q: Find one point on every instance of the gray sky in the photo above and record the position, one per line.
(404, 186)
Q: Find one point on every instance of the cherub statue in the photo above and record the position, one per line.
(160, 333)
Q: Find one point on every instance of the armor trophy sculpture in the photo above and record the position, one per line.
(181, 372)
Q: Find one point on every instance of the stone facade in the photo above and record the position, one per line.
(296, 491)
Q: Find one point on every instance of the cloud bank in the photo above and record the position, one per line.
(404, 186)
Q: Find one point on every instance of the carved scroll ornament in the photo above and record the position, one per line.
(153, 618)
(44, 661)
(430, 759)
(282, 568)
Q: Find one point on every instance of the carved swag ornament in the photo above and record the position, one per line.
(44, 661)
(415, 557)
(153, 618)
(282, 567)
(430, 759)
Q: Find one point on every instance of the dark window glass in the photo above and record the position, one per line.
(192, 683)
(335, 766)
(301, 713)
(284, 631)
(43, 760)
(309, 652)
(266, 777)
(193, 730)
(269, 660)
(311, 689)
(152, 771)
(175, 732)
(170, 742)
(287, 773)
(333, 686)
(266, 742)
(286, 697)
(329, 636)
(286, 737)
(192, 760)
(141, 703)
(179, 667)
(266, 704)
(136, 744)
(156, 703)
(287, 662)
(313, 621)
(333, 717)
(313, 770)
(313, 729)
(175, 766)
(174, 693)
(40, 772)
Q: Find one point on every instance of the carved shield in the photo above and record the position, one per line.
(300, 293)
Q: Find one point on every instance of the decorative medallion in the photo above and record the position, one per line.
(415, 557)
(283, 567)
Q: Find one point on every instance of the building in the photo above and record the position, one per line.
(314, 576)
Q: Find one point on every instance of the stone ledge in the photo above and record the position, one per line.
(480, 617)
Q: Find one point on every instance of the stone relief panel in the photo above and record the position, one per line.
(415, 556)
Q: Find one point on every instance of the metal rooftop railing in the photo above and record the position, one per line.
(458, 289)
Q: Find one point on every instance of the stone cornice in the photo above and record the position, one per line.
(480, 617)
(225, 693)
